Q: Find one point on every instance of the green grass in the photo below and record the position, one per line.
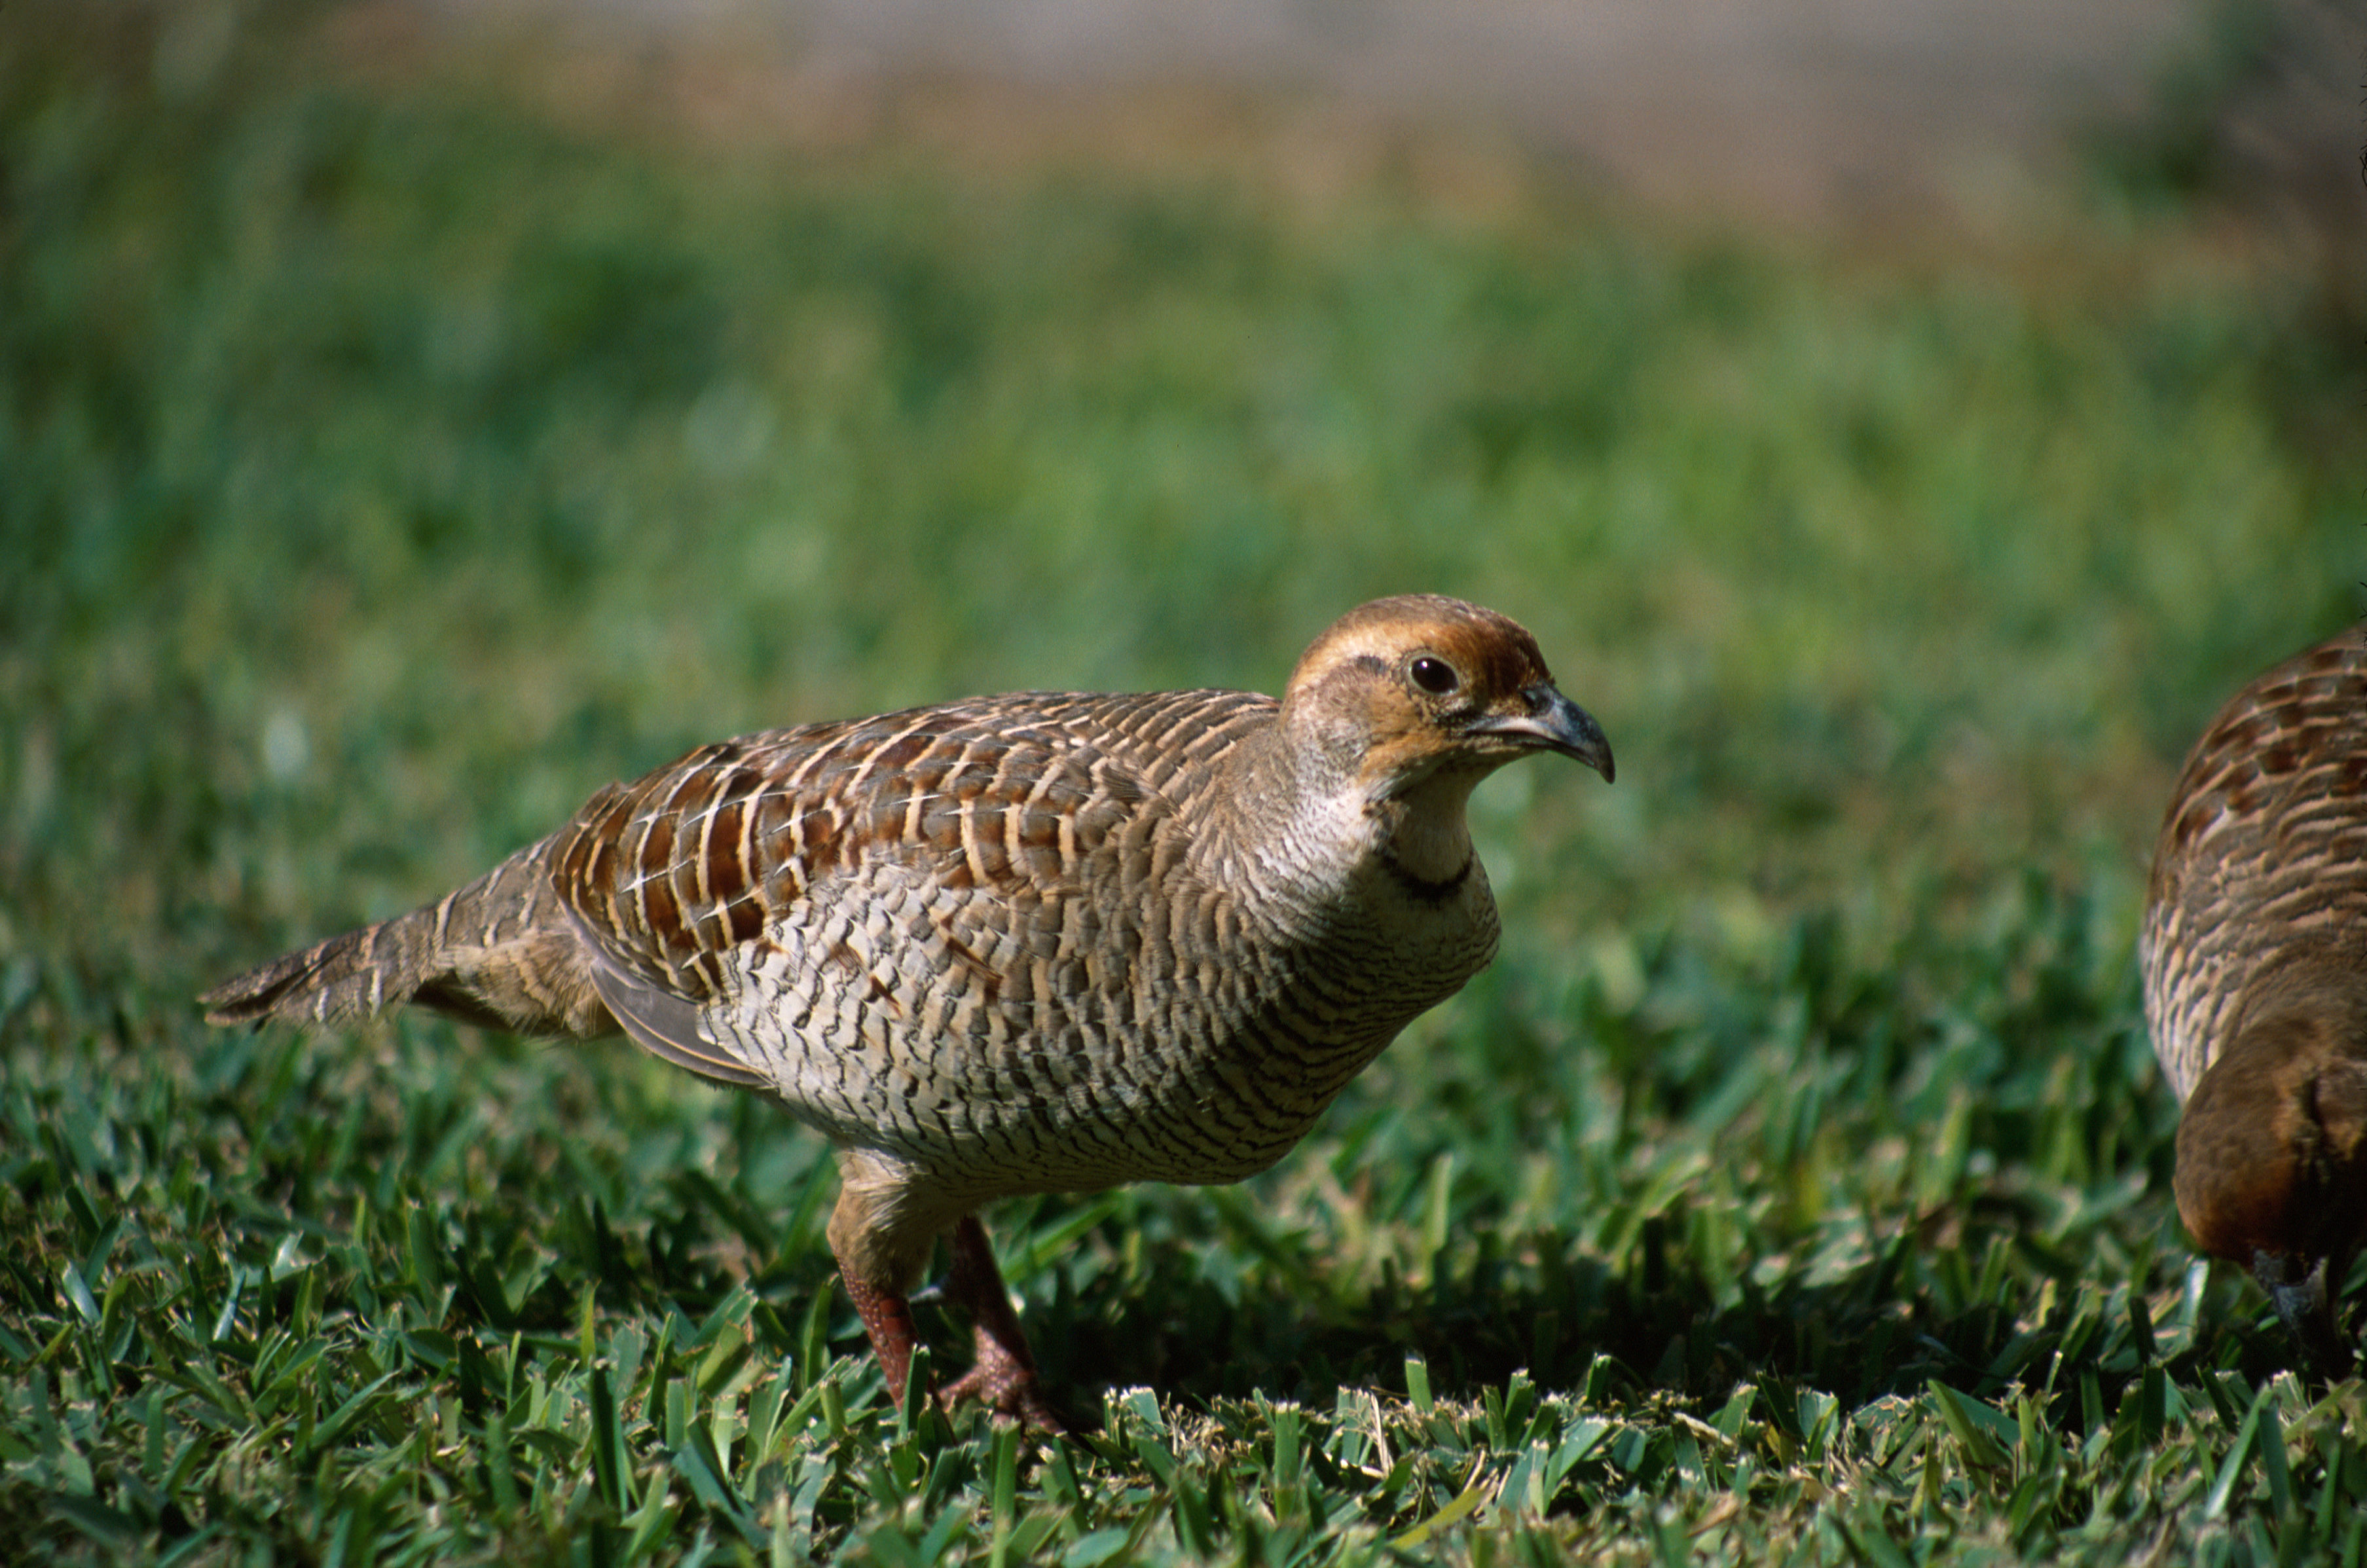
(386, 463)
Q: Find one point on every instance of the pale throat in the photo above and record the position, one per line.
(1427, 833)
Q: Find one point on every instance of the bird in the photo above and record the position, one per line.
(1029, 943)
(2254, 953)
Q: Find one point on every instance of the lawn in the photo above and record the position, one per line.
(399, 441)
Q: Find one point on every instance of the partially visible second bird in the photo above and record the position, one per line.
(2255, 959)
(1041, 942)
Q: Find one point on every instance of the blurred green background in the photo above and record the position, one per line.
(391, 453)
(391, 461)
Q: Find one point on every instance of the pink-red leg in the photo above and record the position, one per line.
(887, 1321)
(1003, 1374)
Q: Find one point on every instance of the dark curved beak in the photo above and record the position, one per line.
(1554, 722)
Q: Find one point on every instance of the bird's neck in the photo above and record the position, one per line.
(1295, 824)
(1426, 836)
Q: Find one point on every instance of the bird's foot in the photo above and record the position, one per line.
(1002, 1376)
(1008, 1388)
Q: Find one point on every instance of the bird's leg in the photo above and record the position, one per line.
(1004, 1375)
(881, 1232)
(887, 1321)
(882, 1248)
(2304, 1299)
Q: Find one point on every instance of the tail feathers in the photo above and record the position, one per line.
(500, 952)
(338, 981)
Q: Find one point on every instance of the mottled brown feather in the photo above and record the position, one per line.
(2254, 950)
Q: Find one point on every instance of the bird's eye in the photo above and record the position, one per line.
(1436, 676)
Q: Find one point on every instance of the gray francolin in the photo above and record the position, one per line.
(1039, 943)
(2255, 958)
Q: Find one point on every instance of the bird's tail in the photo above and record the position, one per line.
(500, 952)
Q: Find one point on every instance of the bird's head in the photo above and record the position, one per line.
(1402, 705)
(1401, 689)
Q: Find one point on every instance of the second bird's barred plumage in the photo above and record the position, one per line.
(2265, 843)
(2255, 958)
